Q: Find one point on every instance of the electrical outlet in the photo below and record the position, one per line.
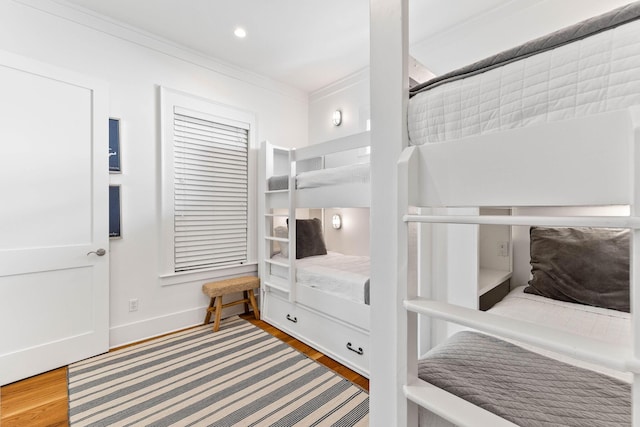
(503, 249)
(133, 304)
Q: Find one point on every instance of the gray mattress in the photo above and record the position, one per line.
(524, 387)
(561, 37)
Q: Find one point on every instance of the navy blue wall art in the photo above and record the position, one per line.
(114, 145)
(114, 211)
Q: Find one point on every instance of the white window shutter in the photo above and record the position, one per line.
(210, 193)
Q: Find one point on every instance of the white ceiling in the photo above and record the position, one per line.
(309, 44)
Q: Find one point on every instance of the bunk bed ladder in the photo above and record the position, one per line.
(269, 216)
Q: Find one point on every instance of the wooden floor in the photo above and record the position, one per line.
(43, 400)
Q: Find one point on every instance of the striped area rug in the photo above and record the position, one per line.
(239, 376)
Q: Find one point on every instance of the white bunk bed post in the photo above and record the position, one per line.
(407, 289)
(292, 225)
(635, 260)
(389, 98)
(263, 167)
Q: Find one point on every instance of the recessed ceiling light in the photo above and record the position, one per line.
(240, 32)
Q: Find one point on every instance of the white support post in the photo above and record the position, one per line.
(634, 279)
(263, 168)
(292, 225)
(389, 95)
(407, 288)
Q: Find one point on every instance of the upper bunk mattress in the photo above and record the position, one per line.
(350, 174)
(588, 68)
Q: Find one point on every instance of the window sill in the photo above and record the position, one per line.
(211, 274)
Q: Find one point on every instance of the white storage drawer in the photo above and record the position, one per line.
(280, 313)
(341, 342)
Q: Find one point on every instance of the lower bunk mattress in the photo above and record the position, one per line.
(345, 276)
(529, 386)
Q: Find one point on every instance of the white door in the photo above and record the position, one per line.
(54, 293)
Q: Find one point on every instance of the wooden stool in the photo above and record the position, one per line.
(216, 290)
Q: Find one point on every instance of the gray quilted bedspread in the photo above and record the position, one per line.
(279, 182)
(525, 387)
(591, 26)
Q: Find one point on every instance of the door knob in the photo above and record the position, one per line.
(99, 252)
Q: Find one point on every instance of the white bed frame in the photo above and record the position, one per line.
(336, 326)
(489, 171)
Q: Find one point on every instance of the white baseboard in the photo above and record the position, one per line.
(137, 331)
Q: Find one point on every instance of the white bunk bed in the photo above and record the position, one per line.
(320, 297)
(544, 145)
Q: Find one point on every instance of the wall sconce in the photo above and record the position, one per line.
(336, 222)
(337, 118)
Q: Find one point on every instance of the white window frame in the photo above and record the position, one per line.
(169, 100)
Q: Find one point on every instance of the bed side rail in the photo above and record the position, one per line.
(350, 142)
(581, 162)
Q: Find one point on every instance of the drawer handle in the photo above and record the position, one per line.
(292, 319)
(359, 350)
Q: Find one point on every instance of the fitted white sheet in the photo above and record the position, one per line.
(610, 326)
(597, 74)
(335, 273)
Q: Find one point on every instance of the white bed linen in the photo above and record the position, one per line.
(597, 74)
(335, 273)
(357, 173)
(610, 326)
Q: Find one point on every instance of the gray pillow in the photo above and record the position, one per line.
(581, 265)
(309, 239)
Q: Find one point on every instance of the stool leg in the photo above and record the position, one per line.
(210, 309)
(216, 324)
(246, 298)
(254, 305)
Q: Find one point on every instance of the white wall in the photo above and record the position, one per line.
(351, 96)
(353, 237)
(134, 65)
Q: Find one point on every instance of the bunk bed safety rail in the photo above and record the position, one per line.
(292, 203)
(459, 412)
(605, 354)
(350, 142)
(534, 166)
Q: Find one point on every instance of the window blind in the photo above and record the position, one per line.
(210, 189)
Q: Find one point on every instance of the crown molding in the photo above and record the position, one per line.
(103, 24)
(340, 85)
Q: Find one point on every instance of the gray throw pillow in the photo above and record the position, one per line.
(581, 265)
(309, 239)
